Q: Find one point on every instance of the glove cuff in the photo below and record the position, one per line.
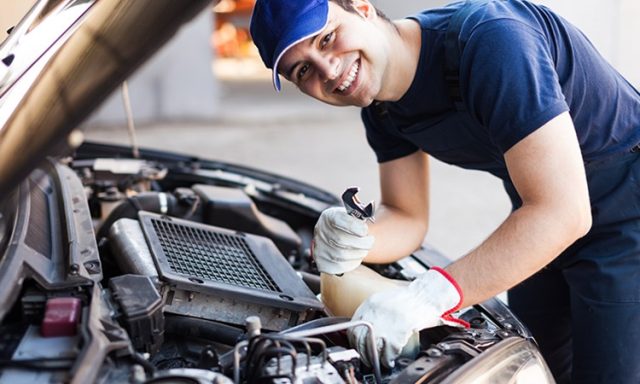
(447, 315)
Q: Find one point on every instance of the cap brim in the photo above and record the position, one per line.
(303, 31)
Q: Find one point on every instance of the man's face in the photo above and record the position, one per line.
(344, 64)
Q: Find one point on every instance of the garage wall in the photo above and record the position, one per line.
(182, 67)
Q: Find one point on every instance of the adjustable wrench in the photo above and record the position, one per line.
(355, 208)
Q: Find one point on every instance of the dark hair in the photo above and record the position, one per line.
(347, 5)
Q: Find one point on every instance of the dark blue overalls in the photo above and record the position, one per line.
(584, 307)
(592, 290)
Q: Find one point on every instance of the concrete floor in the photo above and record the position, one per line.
(293, 135)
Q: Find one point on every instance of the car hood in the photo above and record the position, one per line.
(62, 60)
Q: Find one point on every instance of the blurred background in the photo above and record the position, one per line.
(207, 94)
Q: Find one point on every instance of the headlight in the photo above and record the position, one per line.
(512, 361)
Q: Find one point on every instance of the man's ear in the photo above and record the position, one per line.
(365, 9)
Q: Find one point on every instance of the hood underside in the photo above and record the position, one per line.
(62, 61)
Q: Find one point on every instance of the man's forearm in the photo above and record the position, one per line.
(396, 235)
(403, 215)
(529, 239)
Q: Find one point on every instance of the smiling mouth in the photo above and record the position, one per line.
(353, 73)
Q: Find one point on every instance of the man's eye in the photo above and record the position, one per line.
(326, 39)
(302, 71)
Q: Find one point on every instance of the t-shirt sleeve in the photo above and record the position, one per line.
(508, 76)
(381, 136)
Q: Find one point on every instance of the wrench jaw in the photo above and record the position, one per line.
(355, 208)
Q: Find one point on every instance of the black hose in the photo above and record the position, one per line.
(146, 365)
(39, 364)
(201, 328)
(146, 201)
(312, 281)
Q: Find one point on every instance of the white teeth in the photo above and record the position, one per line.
(352, 76)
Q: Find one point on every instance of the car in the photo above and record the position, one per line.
(146, 266)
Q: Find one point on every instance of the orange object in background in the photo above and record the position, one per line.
(231, 38)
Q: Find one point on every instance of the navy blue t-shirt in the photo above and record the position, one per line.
(521, 65)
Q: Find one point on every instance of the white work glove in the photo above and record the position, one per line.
(398, 313)
(340, 241)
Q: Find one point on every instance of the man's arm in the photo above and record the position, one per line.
(547, 170)
(341, 242)
(402, 217)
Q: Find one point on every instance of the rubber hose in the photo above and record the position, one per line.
(202, 328)
(145, 201)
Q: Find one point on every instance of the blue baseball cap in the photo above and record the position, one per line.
(277, 25)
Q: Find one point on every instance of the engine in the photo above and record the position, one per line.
(224, 272)
(174, 270)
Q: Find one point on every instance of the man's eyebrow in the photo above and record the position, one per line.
(312, 41)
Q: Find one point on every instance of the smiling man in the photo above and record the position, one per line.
(503, 86)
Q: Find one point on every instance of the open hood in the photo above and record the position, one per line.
(62, 60)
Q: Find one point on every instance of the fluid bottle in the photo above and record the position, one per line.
(342, 295)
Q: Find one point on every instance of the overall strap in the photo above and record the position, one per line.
(452, 50)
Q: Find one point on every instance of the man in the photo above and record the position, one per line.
(508, 87)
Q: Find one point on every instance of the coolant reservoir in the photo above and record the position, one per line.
(343, 294)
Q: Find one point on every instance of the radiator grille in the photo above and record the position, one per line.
(213, 256)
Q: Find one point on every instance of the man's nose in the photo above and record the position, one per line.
(328, 67)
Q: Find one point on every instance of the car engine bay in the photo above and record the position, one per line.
(168, 268)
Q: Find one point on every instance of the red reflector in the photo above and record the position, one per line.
(61, 317)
